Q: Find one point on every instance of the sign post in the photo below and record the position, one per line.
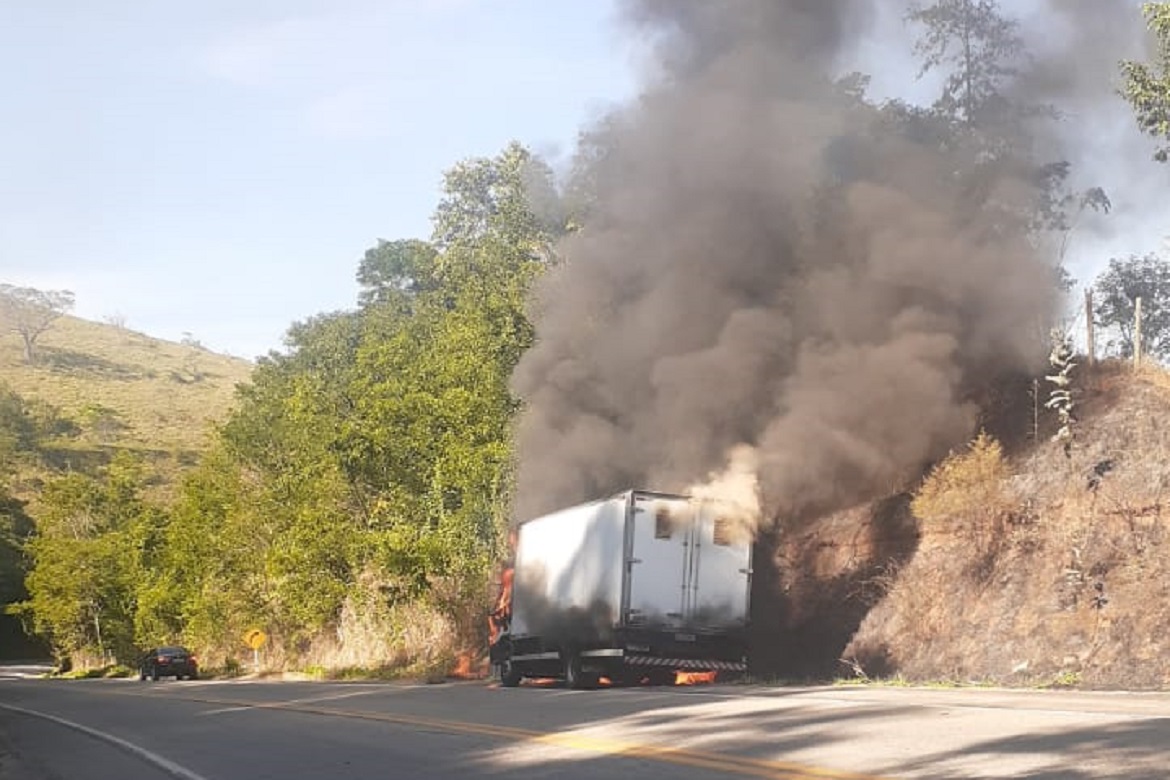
(255, 639)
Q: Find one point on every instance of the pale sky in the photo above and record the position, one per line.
(219, 167)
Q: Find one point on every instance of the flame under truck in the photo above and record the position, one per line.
(636, 586)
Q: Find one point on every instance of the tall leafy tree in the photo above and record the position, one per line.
(1147, 85)
(86, 562)
(370, 459)
(978, 49)
(980, 52)
(15, 527)
(396, 271)
(433, 405)
(20, 433)
(1118, 288)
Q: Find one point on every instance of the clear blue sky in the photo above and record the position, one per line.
(219, 167)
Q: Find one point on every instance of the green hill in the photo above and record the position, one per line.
(123, 390)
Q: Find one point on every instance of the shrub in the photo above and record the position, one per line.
(967, 490)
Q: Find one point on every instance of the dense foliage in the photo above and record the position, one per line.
(1147, 85)
(363, 483)
(366, 464)
(1118, 289)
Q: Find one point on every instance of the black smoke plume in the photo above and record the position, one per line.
(768, 262)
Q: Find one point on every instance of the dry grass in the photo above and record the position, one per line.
(1077, 590)
(125, 390)
(165, 394)
(371, 638)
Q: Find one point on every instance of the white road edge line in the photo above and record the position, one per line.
(152, 758)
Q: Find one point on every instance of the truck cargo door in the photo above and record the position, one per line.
(660, 529)
(721, 571)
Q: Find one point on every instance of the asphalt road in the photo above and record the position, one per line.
(121, 729)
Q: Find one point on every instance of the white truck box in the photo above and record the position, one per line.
(639, 577)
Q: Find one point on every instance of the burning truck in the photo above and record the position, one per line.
(638, 585)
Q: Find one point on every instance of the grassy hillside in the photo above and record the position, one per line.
(125, 389)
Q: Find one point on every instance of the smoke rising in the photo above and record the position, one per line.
(771, 267)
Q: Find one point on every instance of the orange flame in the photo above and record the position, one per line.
(694, 678)
(469, 667)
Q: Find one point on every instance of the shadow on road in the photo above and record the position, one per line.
(804, 735)
(1138, 750)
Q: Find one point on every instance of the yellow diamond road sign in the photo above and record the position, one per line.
(255, 638)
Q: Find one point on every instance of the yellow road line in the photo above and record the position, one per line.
(701, 759)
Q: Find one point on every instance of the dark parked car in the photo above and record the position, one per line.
(174, 662)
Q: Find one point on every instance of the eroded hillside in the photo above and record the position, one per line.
(1045, 569)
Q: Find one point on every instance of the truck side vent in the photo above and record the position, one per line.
(722, 532)
(662, 523)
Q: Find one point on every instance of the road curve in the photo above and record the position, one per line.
(208, 730)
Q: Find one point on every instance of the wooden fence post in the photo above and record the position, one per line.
(1090, 335)
(1137, 333)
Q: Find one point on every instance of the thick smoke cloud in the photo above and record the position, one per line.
(769, 263)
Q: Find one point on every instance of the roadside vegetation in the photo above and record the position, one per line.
(350, 495)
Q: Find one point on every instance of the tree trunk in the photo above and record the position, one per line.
(968, 98)
(29, 348)
(97, 627)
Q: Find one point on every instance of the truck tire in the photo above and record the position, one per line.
(574, 675)
(510, 676)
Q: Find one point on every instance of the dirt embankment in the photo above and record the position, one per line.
(1062, 578)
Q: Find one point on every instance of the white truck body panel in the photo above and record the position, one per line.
(635, 560)
(570, 562)
(658, 560)
(722, 571)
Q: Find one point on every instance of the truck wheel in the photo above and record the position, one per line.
(510, 676)
(574, 676)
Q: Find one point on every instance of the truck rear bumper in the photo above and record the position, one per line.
(641, 660)
(628, 649)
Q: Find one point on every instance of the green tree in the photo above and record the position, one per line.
(30, 312)
(394, 271)
(20, 432)
(433, 411)
(204, 581)
(1117, 290)
(86, 562)
(511, 197)
(980, 51)
(370, 460)
(1147, 85)
(15, 528)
